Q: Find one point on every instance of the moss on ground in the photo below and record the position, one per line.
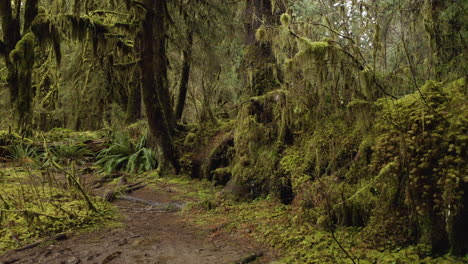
(33, 210)
(300, 241)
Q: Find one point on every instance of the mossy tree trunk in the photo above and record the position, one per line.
(17, 50)
(262, 122)
(444, 25)
(259, 59)
(155, 88)
(185, 77)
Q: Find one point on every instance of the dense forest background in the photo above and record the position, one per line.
(352, 112)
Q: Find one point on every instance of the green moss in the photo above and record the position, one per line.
(261, 130)
(8, 138)
(24, 51)
(65, 134)
(416, 146)
(311, 50)
(23, 58)
(190, 139)
(366, 82)
(299, 241)
(261, 68)
(47, 33)
(285, 19)
(31, 213)
(222, 176)
(260, 34)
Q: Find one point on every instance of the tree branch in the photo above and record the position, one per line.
(358, 64)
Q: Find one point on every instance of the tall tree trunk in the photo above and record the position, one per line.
(256, 11)
(185, 77)
(259, 59)
(155, 87)
(445, 34)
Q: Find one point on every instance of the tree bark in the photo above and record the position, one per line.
(185, 78)
(259, 58)
(256, 11)
(133, 112)
(155, 88)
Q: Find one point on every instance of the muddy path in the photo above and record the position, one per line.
(147, 236)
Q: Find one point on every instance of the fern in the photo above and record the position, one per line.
(127, 156)
(68, 152)
(24, 152)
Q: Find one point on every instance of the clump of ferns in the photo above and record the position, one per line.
(24, 153)
(125, 155)
(68, 152)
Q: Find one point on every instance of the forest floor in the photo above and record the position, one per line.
(171, 219)
(151, 236)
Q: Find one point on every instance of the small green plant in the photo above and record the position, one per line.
(125, 155)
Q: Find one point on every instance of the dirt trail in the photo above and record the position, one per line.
(146, 237)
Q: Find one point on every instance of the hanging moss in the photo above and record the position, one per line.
(47, 34)
(259, 137)
(310, 50)
(23, 58)
(285, 19)
(81, 26)
(260, 34)
(424, 139)
(366, 83)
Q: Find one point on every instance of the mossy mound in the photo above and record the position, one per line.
(396, 168)
(420, 159)
(65, 134)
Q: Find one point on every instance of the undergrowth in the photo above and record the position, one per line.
(38, 203)
(126, 155)
(281, 227)
(64, 134)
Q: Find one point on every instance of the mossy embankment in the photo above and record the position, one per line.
(390, 173)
